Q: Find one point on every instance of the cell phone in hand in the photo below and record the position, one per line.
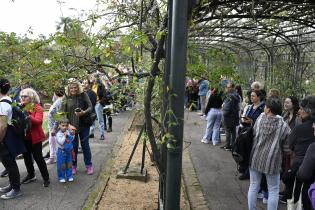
(77, 110)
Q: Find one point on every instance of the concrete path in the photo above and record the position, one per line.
(68, 195)
(215, 169)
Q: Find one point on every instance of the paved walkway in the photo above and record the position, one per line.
(215, 169)
(68, 195)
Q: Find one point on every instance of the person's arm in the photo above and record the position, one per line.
(3, 126)
(306, 172)
(37, 119)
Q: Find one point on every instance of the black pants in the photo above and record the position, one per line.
(35, 150)
(230, 135)
(10, 165)
(107, 114)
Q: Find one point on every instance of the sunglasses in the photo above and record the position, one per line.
(24, 96)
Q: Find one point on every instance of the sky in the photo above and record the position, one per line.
(41, 15)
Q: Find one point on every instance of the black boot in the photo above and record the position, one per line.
(110, 123)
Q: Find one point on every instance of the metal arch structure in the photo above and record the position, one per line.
(261, 25)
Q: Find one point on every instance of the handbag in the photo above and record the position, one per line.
(297, 205)
(88, 119)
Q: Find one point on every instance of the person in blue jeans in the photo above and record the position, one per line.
(214, 116)
(64, 152)
(270, 134)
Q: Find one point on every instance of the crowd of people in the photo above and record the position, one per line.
(283, 141)
(71, 119)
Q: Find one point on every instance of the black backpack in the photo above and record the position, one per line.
(242, 146)
(21, 120)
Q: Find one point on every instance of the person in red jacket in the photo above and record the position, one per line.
(34, 137)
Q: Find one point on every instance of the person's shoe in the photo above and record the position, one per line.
(6, 189)
(70, 179)
(12, 194)
(109, 130)
(89, 170)
(28, 179)
(228, 148)
(50, 161)
(91, 136)
(283, 200)
(102, 137)
(260, 195)
(244, 176)
(4, 173)
(47, 155)
(265, 200)
(74, 170)
(46, 183)
(62, 180)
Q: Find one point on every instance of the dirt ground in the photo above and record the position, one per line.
(131, 194)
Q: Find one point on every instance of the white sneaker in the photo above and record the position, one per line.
(260, 195)
(70, 179)
(202, 141)
(62, 180)
(265, 200)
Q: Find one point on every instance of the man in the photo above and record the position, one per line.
(92, 96)
(231, 115)
(100, 91)
(8, 160)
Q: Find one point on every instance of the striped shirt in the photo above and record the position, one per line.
(270, 133)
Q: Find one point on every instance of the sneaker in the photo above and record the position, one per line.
(283, 200)
(4, 173)
(70, 179)
(265, 200)
(5, 189)
(224, 147)
(228, 148)
(50, 161)
(203, 140)
(109, 130)
(12, 194)
(46, 183)
(102, 137)
(260, 195)
(89, 170)
(28, 179)
(62, 180)
(74, 170)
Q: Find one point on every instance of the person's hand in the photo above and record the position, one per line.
(72, 129)
(79, 114)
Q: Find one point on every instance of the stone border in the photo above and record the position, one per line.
(96, 195)
(191, 184)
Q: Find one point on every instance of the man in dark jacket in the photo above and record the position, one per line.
(230, 115)
(87, 85)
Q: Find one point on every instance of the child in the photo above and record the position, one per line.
(64, 152)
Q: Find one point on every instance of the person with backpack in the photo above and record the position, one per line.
(34, 137)
(230, 115)
(8, 160)
(270, 134)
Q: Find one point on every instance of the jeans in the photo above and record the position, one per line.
(35, 150)
(273, 182)
(230, 135)
(85, 145)
(64, 164)
(214, 117)
(203, 103)
(52, 146)
(10, 165)
(100, 118)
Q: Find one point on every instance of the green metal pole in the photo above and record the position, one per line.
(177, 90)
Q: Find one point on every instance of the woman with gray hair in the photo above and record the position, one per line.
(77, 105)
(34, 137)
(300, 138)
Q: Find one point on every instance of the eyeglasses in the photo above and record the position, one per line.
(24, 96)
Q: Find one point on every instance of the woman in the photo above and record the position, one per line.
(77, 106)
(299, 140)
(34, 137)
(251, 113)
(291, 108)
(214, 116)
(270, 133)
